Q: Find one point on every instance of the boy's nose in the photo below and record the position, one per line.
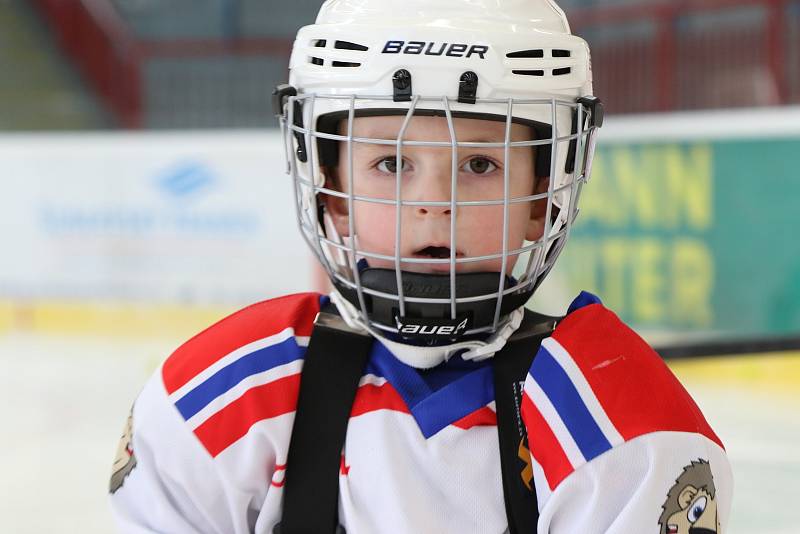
(433, 211)
(434, 187)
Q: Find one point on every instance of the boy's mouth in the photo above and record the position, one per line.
(438, 253)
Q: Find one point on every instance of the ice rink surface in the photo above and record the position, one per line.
(65, 401)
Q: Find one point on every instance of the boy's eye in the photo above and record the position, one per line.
(389, 165)
(479, 165)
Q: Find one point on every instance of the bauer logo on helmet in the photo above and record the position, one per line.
(435, 49)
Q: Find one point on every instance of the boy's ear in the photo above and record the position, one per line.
(335, 206)
(538, 211)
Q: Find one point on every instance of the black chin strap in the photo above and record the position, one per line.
(333, 366)
(431, 321)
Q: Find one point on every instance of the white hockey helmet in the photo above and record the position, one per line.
(508, 60)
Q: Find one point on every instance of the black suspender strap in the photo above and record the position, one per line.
(510, 367)
(334, 362)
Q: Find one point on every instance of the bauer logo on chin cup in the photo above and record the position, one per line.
(432, 329)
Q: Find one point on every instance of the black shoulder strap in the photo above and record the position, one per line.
(511, 366)
(334, 363)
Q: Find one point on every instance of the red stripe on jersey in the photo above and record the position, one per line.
(280, 475)
(544, 445)
(344, 469)
(231, 423)
(250, 324)
(481, 417)
(370, 398)
(633, 384)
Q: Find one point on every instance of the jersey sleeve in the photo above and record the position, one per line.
(163, 480)
(617, 444)
(207, 435)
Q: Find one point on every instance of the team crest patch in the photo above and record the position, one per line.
(125, 460)
(691, 506)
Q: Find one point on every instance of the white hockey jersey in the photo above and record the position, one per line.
(616, 443)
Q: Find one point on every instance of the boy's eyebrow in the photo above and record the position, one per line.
(481, 140)
(460, 139)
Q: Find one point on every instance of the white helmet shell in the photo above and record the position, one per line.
(421, 57)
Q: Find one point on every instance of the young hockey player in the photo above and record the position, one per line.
(438, 151)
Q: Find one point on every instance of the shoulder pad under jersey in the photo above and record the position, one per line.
(243, 369)
(595, 384)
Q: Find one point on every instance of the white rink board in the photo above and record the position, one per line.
(179, 216)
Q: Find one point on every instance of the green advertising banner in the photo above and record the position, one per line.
(698, 236)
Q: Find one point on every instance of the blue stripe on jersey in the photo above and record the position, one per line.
(454, 401)
(256, 362)
(562, 393)
(434, 410)
(583, 300)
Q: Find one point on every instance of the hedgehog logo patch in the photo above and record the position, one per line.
(125, 460)
(691, 506)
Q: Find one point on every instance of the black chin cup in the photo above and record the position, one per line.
(432, 323)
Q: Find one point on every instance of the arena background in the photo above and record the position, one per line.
(144, 197)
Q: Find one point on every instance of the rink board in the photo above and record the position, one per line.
(686, 226)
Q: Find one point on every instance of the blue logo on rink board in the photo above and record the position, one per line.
(186, 180)
(144, 212)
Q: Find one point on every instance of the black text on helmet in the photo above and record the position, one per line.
(435, 49)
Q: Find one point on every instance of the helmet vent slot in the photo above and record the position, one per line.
(562, 71)
(347, 45)
(529, 72)
(526, 54)
(316, 60)
(561, 53)
(319, 43)
(345, 64)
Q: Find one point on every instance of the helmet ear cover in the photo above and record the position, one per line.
(328, 149)
(280, 96)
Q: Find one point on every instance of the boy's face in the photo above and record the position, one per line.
(426, 176)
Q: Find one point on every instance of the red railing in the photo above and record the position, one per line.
(104, 49)
(111, 58)
(717, 67)
(664, 70)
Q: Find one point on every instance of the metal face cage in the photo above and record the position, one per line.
(442, 297)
